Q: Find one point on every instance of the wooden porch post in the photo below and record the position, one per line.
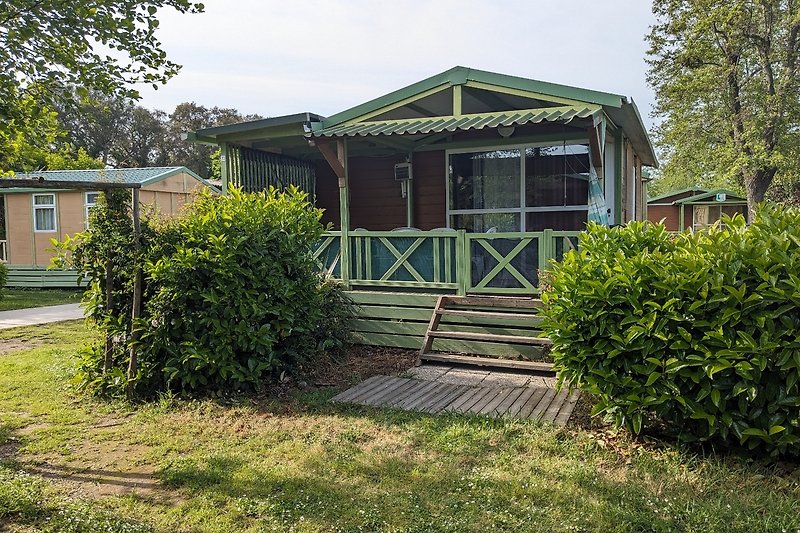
(224, 162)
(338, 163)
(344, 211)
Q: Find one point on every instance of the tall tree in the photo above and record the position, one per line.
(190, 116)
(725, 74)
(48, 47)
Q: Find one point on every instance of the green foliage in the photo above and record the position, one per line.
(48, 46)
(232, 293)
(696, 331)
(728, 91)
(3, 279)
(35, 141)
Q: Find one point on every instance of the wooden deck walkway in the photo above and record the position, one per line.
(522, 402)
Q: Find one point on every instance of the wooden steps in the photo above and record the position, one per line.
(495, 307)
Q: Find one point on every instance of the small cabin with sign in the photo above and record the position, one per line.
(32, 217)
(695, 208)
(465, 183)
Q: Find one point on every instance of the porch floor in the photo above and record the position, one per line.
(440, 389)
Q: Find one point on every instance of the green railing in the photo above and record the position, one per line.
(457, 261)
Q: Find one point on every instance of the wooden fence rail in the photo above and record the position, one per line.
(445, 260)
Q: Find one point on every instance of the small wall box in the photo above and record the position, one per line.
(402, 171)
(720, 197)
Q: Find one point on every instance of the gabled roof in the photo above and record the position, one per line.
(731, 196)
(465, 76)
(622, 111)
(693, 190)
(139, 176)
(427, 101)
(697, 194)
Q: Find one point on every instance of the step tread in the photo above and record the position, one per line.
(488, 361)
(488, 314)
(493, 301)
(490, 337)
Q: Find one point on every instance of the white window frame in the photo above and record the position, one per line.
(523, 209)
(52, 206)
(87, 206)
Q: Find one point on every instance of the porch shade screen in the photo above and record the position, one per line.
(254, 170)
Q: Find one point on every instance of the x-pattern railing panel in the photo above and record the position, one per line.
(503, 263)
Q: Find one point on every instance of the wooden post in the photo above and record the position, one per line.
(224, 166)
(462, 262)
(344, 211)
(109, 354)
(137, 292)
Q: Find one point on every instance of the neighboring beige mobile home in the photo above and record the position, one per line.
(32, 217)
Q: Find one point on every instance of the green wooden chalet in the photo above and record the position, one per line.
(465, 183)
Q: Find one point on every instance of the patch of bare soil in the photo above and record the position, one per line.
(8, 346)
(102, 470)
(361, 363)
(95, 469)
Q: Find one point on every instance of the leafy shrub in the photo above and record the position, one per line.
(3, 278)
(699, 332)
(238, 295)
(231, 295)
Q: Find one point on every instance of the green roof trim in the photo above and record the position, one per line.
(462, 75)
(679, 191)
(698, 194)
(460, 122)
(142, 176)
(297, 119)
(732, 196)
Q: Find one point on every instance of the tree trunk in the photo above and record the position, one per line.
(757, 183)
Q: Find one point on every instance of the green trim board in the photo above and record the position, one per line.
(37, 277)
(698, 194)
(733, 197)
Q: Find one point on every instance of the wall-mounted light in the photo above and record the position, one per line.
(505, 131)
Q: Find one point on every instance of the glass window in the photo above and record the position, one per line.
(557, 175)
(559, 220)
(482, 223)
(520, 189)
(44, 212)
(91, 201)
(485, 180)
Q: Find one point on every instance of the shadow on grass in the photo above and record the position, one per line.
(465, 473)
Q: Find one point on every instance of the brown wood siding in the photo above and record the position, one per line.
(670, 214)
(327, 193)
(376, 202)
(430, 191)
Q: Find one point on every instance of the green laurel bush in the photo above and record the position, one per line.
(698, 333)
(232, 296)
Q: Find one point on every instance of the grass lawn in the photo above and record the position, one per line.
(70, 463)
(24, 298)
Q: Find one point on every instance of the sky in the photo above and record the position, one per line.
(282, 57)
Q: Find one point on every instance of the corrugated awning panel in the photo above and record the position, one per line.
(462, 122)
